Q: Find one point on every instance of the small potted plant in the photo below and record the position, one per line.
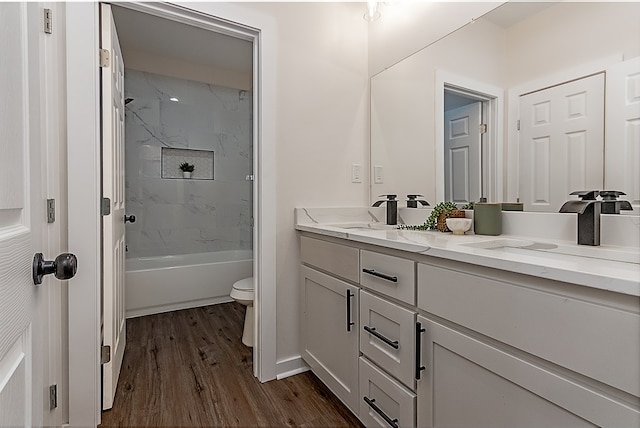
(187, 168)
(438, 218)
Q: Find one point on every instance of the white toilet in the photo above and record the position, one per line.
(242, 292)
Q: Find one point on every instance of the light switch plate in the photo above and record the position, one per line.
(356, 173)
(378, 174)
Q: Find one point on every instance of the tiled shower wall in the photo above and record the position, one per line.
(183, 216)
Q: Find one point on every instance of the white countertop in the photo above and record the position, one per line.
(577, 265)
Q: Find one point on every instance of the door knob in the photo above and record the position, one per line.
(63, 267)
(130, 218)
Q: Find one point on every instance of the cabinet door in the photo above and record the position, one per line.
(329, 334)
(469, 383)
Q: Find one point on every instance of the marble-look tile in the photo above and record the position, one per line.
(178, 216)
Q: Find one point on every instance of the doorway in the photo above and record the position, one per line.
(84, 300)
(186, 108)
(471, 113)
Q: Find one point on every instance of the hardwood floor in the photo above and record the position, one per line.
(190, 368)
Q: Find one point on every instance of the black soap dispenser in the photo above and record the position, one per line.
(392, 208)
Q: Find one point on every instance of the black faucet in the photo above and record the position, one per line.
(588, 209)
(392, 208)
(412, 201)
(611, 204)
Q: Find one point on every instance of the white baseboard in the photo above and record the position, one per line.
(290, 366)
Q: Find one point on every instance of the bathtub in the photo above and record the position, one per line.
(168, 283)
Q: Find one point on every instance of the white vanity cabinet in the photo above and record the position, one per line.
(515, 351)
(329, 305)
(419, 340)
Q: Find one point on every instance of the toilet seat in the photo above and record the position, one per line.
(243, 289)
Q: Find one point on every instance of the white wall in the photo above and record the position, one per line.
(407, 27)
(403, 107)
(322, 128)
(321, 125)
(567, 35)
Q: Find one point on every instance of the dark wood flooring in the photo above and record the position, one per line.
(190, 368)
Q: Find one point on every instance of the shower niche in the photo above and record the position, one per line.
(202, 160)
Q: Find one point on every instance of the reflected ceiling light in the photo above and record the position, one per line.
(372, 11)
(174, 99)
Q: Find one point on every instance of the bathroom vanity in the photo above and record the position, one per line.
(430, 329)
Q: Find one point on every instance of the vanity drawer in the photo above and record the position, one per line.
(388, 275)
(599, 338)
(336, 259)
(384, 401)
(387, 336)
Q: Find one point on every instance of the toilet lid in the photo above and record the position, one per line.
(244, 284)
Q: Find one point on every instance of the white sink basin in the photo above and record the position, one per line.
(521, 246)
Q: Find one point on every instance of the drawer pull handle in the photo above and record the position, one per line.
(349, 322)
(419, 367)
(381, 275)
(372, 330)
(372, 403)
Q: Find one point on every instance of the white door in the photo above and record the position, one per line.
(462, 148)
(24, 351)
(114, 331)
(622, 147)
(561, 142)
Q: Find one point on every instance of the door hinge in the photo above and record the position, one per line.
(105, 206)
(483, 128)
(104, 58)
(53, 396)
(518, 125)
(48, 21)
(105, 354)
(51, 210)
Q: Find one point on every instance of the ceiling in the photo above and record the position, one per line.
(143, 32)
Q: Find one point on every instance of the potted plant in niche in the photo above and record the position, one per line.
(187, 168)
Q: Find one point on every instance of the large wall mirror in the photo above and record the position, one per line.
(529, 102)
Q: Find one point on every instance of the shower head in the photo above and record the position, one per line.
(127, 100)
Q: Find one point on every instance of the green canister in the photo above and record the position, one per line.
(487, 218)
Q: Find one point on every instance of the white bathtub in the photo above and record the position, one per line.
(169, 283)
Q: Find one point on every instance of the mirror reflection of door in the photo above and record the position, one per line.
(462, 148)
(561, 142)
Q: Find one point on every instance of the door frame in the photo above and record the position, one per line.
(492, 115)
(83, 124)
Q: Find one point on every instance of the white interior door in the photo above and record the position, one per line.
(462, 148)
(24, 348)
(561, 142)
(622, 148)
(114, 325)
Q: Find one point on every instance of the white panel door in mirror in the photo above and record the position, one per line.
(462, 160)
(622, 151)
(561, 142)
